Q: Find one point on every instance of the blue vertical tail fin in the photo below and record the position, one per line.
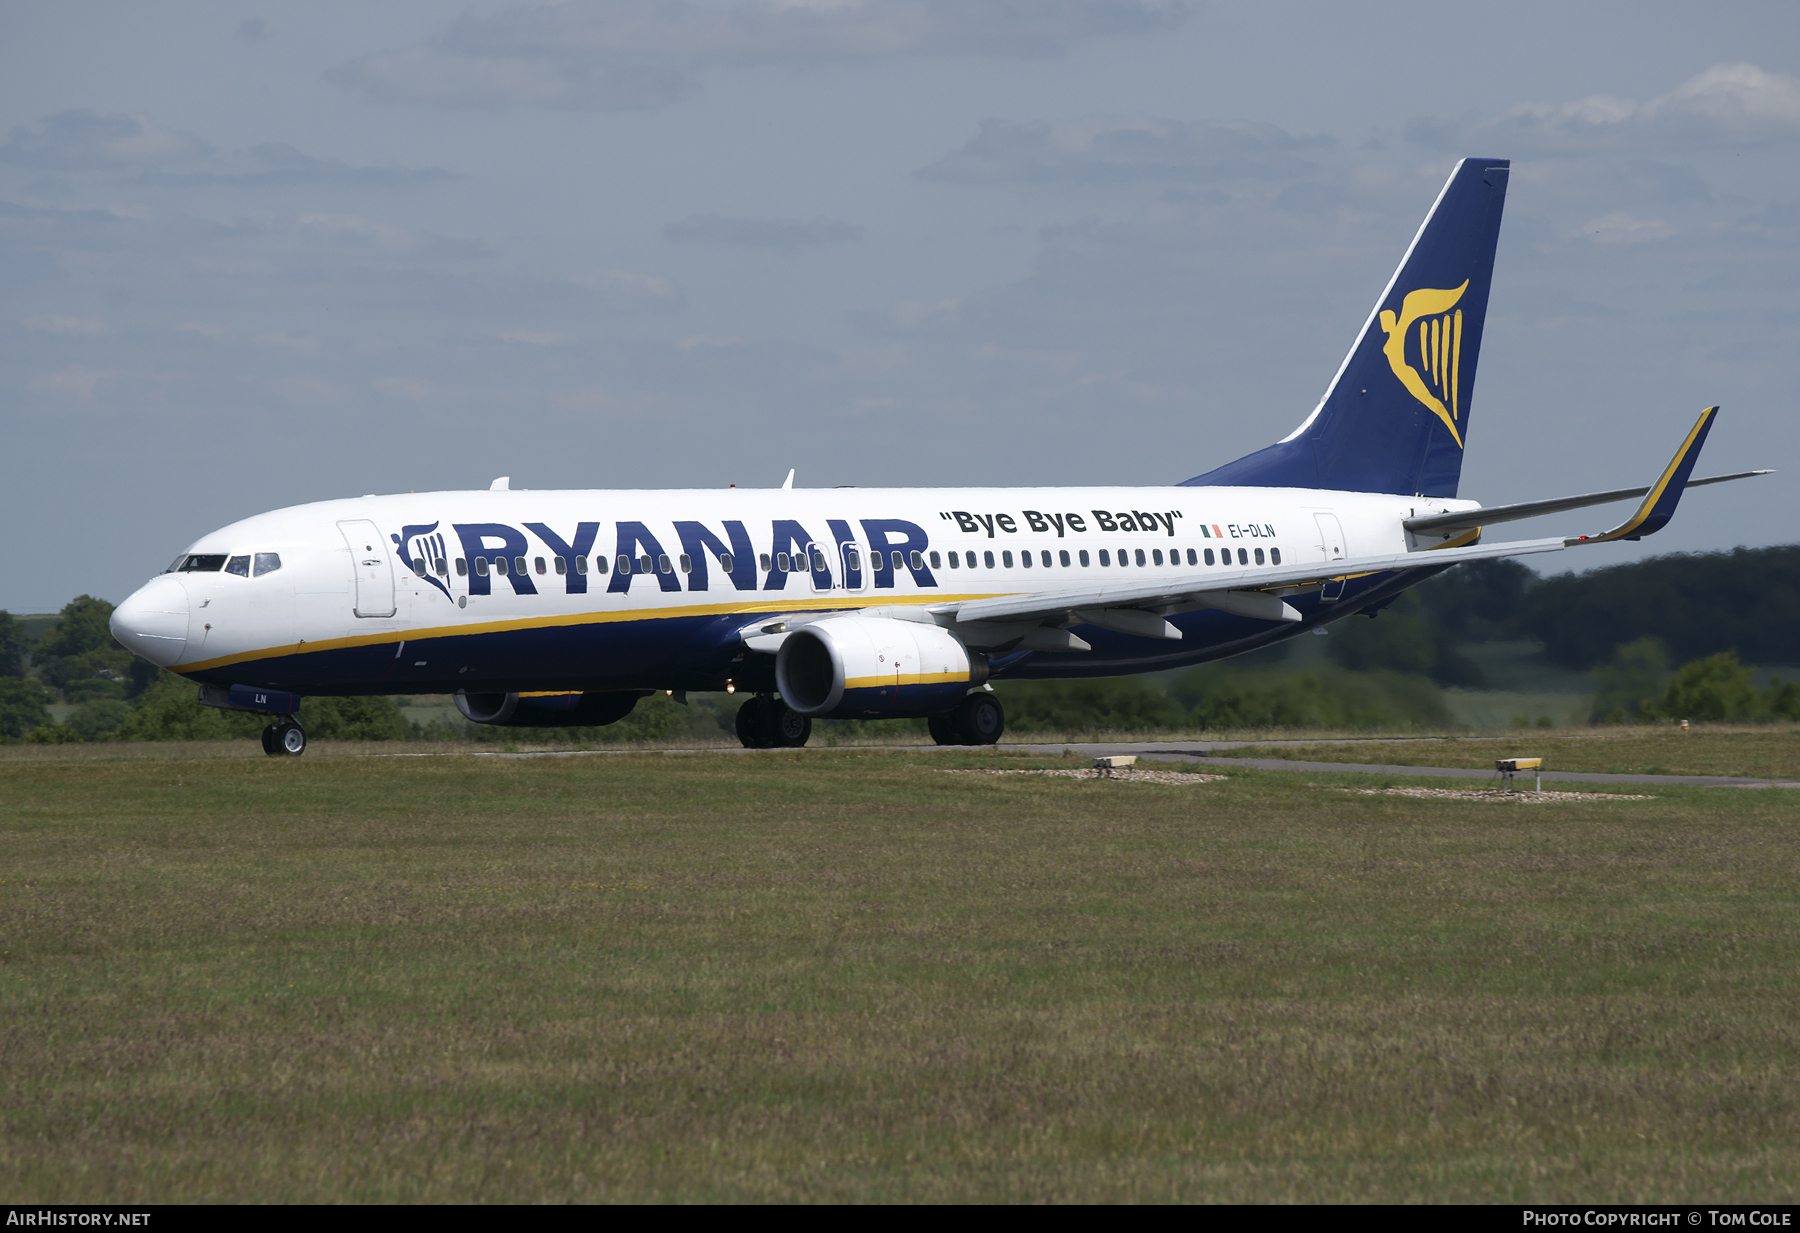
(1396, 416)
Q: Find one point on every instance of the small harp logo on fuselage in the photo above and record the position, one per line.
(1435, 382)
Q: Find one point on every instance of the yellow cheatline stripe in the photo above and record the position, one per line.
(919, 678)
(749, 610)
(548, 693)
(1655, 494)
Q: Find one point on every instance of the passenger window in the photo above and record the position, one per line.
(1193, 558)
(663, 566)
(916, 559)
(1156, 555)
(765, 563)
(987, 558)
(1259, 556)
(784, 563)
(481, 567)
(1045, 557)
(519, 565)
(239, 566)
(956, 560)
(1083, 558)
(539, 562)
(1063, 556)
(725, 561)
(1209, 556)
(418, 566)
(1006, 558)
(971, 560)
(1105, 557)
(937, 562)
(562, 566)
(440, 565)
(599, 565)
(899, 561)
(687, 563)
(1274, 556)
(462, 567)
(1140, 556)
(624, 564)
(581, 565)
(1025, 559)
(646, 565)
(500, 566)
(1243, 557)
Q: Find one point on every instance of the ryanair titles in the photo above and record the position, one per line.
(875, 552)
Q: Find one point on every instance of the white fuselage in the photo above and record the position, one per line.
(647, 589)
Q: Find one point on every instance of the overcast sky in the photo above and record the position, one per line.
(256, 255)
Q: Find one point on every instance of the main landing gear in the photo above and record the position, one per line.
(284, 738)
(766, 722)
(978, 719)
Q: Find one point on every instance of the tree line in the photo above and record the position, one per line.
(1671, 637)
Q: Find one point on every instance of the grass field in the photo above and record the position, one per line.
(848, 976)
(1761, 751)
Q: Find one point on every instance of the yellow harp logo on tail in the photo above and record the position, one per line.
(1439, 349)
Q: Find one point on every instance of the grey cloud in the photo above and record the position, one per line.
(285, 167)
(1115, 149)
(637, 54)
(1728, 104)
(761, 232)
(83, 139)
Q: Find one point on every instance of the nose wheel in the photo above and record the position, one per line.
(284, 738)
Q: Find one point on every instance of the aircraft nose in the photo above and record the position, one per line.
(153, 623)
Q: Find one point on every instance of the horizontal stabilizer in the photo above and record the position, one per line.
(1470, 519)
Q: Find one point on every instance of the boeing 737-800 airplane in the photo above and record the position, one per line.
(564, 608)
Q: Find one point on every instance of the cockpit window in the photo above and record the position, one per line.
(267, 563)
(203, 563)
(239, 566)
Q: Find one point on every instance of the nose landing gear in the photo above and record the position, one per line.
(284, 738)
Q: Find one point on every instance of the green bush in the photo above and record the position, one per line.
(1108, 704)
(23, 706)
(1224, 696)
(1714, 689)
(1623, 688)
(79, 648)
(170, 710)
(12, 645)
(99, 718)
(354, 719)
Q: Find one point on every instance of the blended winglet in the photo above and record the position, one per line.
(1659, 503)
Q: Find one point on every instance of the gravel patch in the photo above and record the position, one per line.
(1133, 775)
(1495, 794)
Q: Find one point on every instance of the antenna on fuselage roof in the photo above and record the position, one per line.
(788, 483)
(503, 484)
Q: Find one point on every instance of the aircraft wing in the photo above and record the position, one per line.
(1249, 592)
(1139, 608)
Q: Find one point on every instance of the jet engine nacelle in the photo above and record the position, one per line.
(852, 666)
(547, 710)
